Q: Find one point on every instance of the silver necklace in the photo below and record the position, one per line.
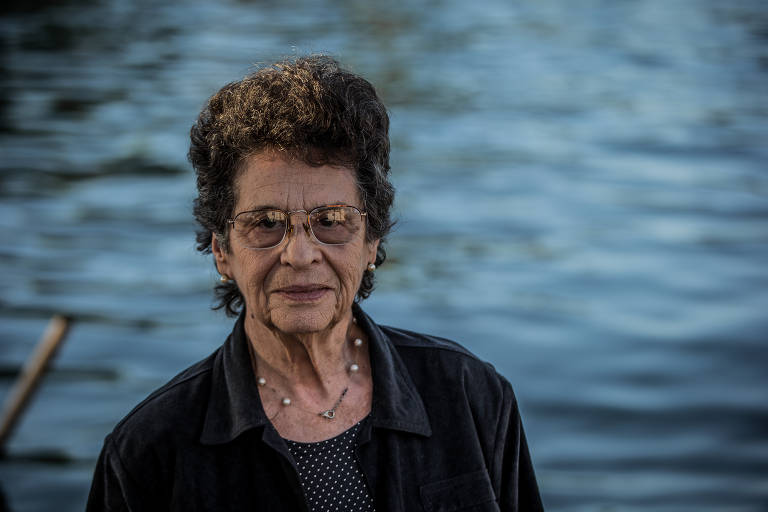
(331, 413)
(328, 414)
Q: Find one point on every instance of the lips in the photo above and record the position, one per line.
(303, 293)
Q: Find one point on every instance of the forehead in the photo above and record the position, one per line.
(267, 179)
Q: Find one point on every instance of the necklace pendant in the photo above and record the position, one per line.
(329, 414)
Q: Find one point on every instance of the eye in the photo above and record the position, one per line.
(266, 220)
(335, 225)
(330, 217)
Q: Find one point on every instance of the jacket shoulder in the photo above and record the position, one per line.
(424, 351)
(403, 338)
(173, 403)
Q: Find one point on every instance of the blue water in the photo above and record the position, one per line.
(582, 200)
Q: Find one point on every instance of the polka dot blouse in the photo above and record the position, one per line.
(330, 475)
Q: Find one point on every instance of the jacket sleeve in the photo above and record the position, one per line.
(515, 480)
(112, 488)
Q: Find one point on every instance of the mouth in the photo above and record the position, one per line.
(303, 293)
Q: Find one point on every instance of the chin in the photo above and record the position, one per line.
(296, 321)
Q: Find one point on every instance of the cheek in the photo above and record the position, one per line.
(349, 271)
(252, 269)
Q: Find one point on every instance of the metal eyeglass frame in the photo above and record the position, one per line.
(289, 225)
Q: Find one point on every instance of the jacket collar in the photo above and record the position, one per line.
(234, 405)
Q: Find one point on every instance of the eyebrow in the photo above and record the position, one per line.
(254, 208)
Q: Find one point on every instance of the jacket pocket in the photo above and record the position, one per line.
(470, 491)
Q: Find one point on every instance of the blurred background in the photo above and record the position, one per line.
(582, 200)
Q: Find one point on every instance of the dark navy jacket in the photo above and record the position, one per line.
(444, 434)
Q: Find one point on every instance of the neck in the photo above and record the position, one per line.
(314, 364)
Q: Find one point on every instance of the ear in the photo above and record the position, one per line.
(372, 248)
(221, 256)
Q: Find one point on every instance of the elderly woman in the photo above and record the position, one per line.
(309, 404)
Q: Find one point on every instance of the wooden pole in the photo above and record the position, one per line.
(31, 375)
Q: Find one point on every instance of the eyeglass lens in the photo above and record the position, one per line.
(332, 225)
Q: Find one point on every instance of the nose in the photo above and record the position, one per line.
(300, 249)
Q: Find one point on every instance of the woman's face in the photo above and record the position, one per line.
(300, 285)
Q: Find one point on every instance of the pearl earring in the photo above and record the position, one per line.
(371, 267)
(224, 278)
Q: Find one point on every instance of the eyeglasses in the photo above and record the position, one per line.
(335, 224)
